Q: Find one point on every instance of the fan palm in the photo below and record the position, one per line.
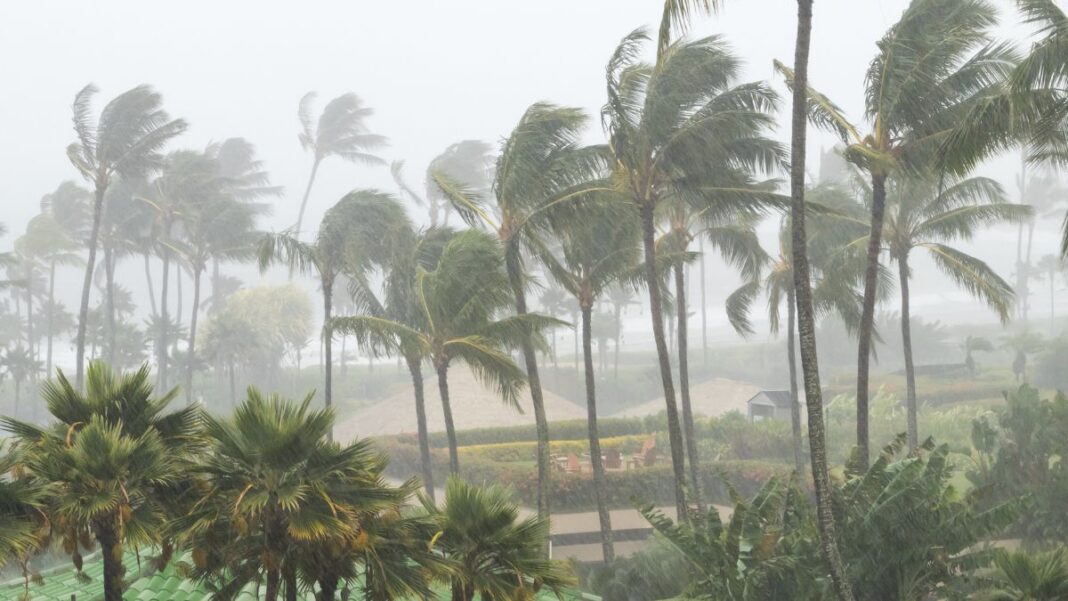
(277, 489)
(598, 248)
(458, 302)
(919, 216)
(938, 62)
(682, 130)
(540, 167)
(340, 131)
(497, 555)
(20, 363)
(125, 141)
(1024, 577)
(806, 321)
(356, 234)
(115, 460)
(23, 523)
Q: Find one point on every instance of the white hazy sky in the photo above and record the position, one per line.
(435, 72)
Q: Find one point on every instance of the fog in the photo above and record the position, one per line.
(434, 74)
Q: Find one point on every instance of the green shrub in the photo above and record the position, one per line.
(575, 492)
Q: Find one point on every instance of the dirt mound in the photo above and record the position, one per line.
(710, 398)
(473, 406)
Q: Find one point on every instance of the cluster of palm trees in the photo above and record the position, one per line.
(688, 156)
(261, 498)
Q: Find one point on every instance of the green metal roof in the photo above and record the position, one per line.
(166, 585)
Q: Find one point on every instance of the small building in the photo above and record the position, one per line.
(769, 404)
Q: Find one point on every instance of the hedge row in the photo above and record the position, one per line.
(575, 492)
(562, 430)
(527, 451)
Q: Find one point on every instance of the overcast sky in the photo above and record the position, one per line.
(434, 71)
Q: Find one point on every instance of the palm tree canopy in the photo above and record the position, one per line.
(685, 128)
(341, 130)
(938, 63)
(128, 137)
(499, 555)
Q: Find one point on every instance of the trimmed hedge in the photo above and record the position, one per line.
(527, 451)
(562, 430)
(575, 492)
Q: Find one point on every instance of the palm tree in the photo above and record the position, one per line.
(540, 167)
(188, 180)
(356, 234)
(1022, 344)
(400, 302)
(458, 302)
(599, 247)
(1024, 577)
(113, 457)
(1041, 78)
(20, 363)
(222, 227)
(974, 344)
(837, 271)
(1052, 265)
(806, 321)
(23, 523)
(467, 162)
(341, 132)
(497, 555)
(683, 131)
(934, 65)
(920, 216)
(125, 142)
(734, 236)
(277, 489)
(68, 206)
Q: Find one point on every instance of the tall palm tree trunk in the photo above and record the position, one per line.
(795, 401)
(442, 369)
(292, 589)
(109, 286)
(304, 201)
(273, 581)
(515, 278)
(29, 316)
(906, 341)
(87, 284)
(111, 551)
(50, 322)
(192, 335)
(164, 321)
(596, 461)
(867, 316)
(615, 350)
(151, 285)
(806, 319)
(415, 369)
(704, 306)
(684, 385)
(652, 276)
(327, 589)
(328, 339)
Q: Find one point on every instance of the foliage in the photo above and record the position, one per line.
(1021, 453)
(497, 554)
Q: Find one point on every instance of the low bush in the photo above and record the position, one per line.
(575, 492)
(562, 430)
